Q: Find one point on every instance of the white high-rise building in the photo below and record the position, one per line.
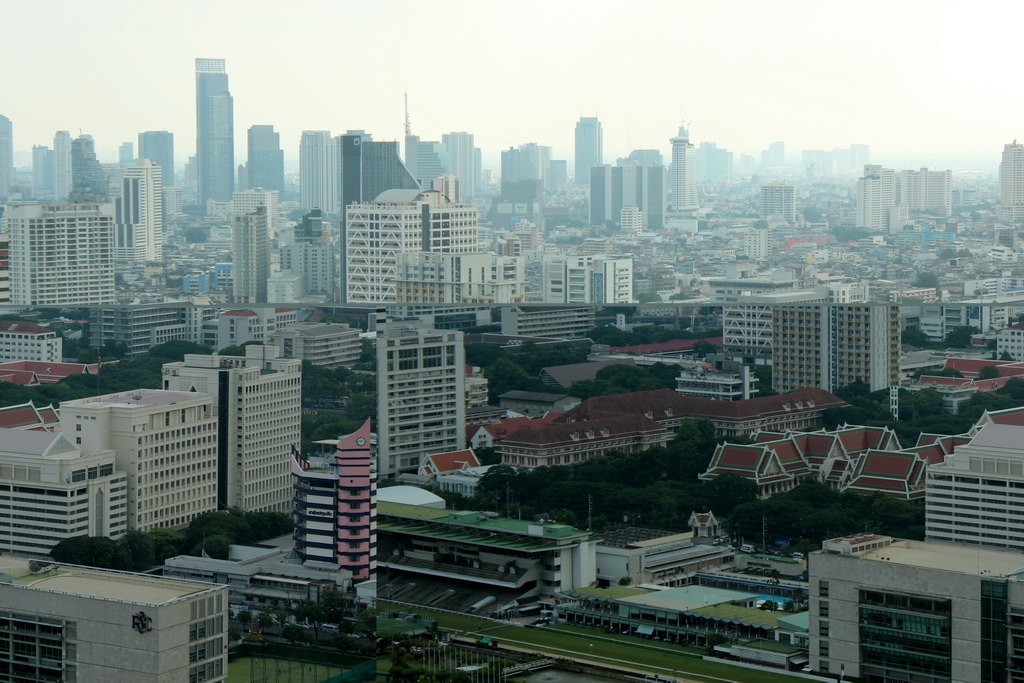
(928, 191)
(587, 280)
(876, 198)
(258, 402)
(60, 254)
(435, 278)
(421, 396)
(140, 214)
(463, 155)
(1011, 183)
(400, 222)
(778, 202)
(319, 171)
(684, 174)
(756, 242)
(250, 254)
(166, 441)
(250, 201)
(6, 156)
(631, 220)
(61, 166)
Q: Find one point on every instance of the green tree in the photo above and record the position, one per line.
(988, 372)
(139, 545)
(915, 338)
(166, 543)
(312, 613)
(927, 279)
(294, 633)
(960, 337)
(92, 551)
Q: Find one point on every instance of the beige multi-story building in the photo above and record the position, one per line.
(924, 190)
(587, 280)
(69, 623)
(140, 214)
(400, 222)
(832, 345)
(778, 201)
(321, 344)
(876, 199)
(250, 256)
(165, 441)
(257, 399)
(53, 492)
(1011, 183)
(60, 254)
(562, 322)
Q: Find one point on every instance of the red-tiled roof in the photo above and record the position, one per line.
(246, 314)
(23, 327)
(453, 460)
(591, 431)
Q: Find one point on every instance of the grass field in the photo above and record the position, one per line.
(577, 643)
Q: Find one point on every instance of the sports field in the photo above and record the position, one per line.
(277, 670)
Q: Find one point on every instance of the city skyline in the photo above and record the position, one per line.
(758, 76)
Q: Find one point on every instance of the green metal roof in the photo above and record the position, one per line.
(747, 616)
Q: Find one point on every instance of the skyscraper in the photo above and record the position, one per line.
(250, 256)
(61, 254)
(61, 166)
(140, 214)
(589, 148)
(126, 153)
(158, 147)
(215, 132)
(6, 155)
(613, 188)
(463, 160)
(88, 181)
(684, 180)
(529, 161)
(266, 159)
(42, 172)
(876, 199)
(319, 169)
(1011, 183)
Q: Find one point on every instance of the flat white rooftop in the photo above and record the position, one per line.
(97, 583)
(953, 558)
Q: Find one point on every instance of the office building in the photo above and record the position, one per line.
(61, 254)
(126, 153)
(557, 177)
(61, 166)
(237, 327)
(257, 400)
(6, 156)
(166, 442)
(73, 623)
(756, 243)
(613, 188)
(400, 221)
(250, 257)
(22, 340)
(883, 609)
(158, 147)
(336, 507)
(446, 278)
(589, 148)
(265, 164)
(833, 345)
(69, 493)
(140, 214)
(319, 171)
(684, 174)
(713, 164)
(421, 396)
(1011, 183)
(464, 161)
(778, 202)
(876, 200)
(215, 132)
(425, 159)
(251, 201)
(42, 172)
(587, 280)
(141, 327)
(926, 191)
(313, 255)
(88, 180)
(559, 322)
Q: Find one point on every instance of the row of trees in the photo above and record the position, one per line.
(211, 534)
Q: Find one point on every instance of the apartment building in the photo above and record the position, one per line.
(323, 344)
(28, 341)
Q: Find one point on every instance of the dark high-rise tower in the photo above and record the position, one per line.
(158, 147)
(266, 159)
(215, 132)
(589, 148)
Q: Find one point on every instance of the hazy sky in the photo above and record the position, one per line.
(921, 82)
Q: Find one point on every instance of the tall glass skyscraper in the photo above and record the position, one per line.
(158, 147)
(589, 148)
(266, 159)
(215, 132)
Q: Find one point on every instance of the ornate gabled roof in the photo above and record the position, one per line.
(894, 473)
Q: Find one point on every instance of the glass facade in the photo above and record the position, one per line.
(993, 631)
(904, 634)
